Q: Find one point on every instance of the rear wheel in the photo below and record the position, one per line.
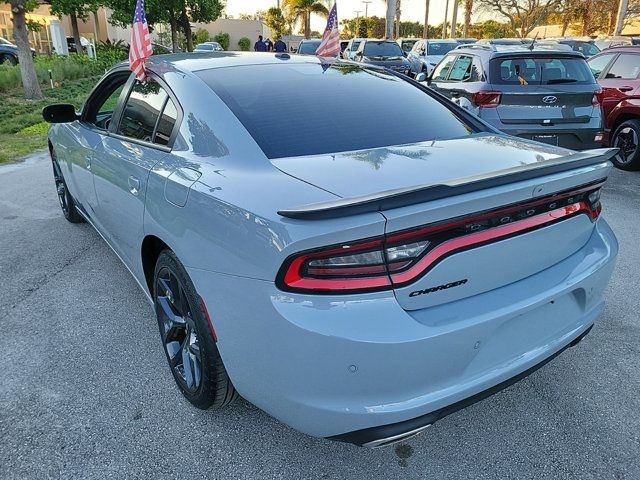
(188, 341)
(627, 139)
(64, 197)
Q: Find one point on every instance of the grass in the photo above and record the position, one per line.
(21, 127)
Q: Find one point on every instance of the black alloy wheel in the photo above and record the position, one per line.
(64, 197)
(187, 337)
(627, 139)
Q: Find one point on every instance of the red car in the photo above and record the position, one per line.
(618, 72)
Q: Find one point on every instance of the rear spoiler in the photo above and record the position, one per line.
(402, 197)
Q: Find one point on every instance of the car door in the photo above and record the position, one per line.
(138, 139)
(86, 137)
(620, 81)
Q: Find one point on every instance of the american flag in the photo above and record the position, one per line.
(330, 45)
(140, 48)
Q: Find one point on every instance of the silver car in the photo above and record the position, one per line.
(357, 269)
(426, 54)
(542, 94)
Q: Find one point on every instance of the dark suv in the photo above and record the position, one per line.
(617, 70)
(541, 94)
(385, 53)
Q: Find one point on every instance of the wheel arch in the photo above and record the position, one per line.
(149, 253)
(621, 113)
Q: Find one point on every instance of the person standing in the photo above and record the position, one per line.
(260, 46)
(269, 45)
(279, 46)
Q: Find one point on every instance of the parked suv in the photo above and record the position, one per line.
(426, 54)
(350, 50)
(541, 94)
(617, 70)
(585, 46)
(385, 53)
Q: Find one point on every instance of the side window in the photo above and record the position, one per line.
(442, 70)
(461, 69)
(99, 108)
(597, 65)
(142, 113)
(626, 67)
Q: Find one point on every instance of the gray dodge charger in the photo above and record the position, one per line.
(358, 269)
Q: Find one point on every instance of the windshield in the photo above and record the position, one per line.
(329, 110)
(440, 48)
(407, 45)
(308, 48)
(382, 49)
(540, 71)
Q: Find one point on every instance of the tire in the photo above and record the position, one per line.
(627, 139)
(10, 59)
(187, 337)
(67, 204)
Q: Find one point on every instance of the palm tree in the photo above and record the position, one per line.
(301, 10)
(468, 6)
(389, 17)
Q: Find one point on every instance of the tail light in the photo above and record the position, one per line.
(400, 258)
(596, 101)
(487, 98)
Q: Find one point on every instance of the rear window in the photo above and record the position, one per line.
(382, 49)
(303, 109)
(540, 71)
(440, 48)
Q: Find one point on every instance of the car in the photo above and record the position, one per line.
(615, 41)
(9, 52)
(617, 70)
(465, 41)
(379, 259)
(385, 53)
(426, 54)
(350, 51)
(505, 41)
(586, 47)
(308, 46)
(406, 44)
(542, 94)
(208, 47)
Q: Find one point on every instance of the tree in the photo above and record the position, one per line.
(244, 43)
(223, 39)
(201, 36)
(77, 10)
(523, 15)
(276, 22)
(301, 11)
(425, 33)
(489, 29)
(21, 36)
(468, 6)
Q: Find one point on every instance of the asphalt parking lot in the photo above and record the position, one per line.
(85, 391)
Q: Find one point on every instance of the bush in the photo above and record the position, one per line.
(200, 36)
(62, 68)
(223, 39)
(244, 43)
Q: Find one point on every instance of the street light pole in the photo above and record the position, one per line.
(444, 24)
(366, 8)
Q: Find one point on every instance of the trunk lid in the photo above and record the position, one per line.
(364, 172)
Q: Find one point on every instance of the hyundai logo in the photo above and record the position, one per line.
(550, 99)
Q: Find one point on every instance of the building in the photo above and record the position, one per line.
(548, 31)
(98, 29)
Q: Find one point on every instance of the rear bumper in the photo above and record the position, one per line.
(359, 368)
(388, 434)
(579, 138)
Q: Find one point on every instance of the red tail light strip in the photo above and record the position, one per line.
(400, 258)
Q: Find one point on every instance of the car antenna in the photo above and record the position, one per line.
(534, 42)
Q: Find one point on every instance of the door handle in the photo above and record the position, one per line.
(134, 185)
(87, 162)
(625, 88)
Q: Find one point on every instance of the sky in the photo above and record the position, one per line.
(412, 10)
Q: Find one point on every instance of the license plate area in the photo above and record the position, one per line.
(548, 139)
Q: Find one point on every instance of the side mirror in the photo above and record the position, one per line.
(421, 77)
(59, 113)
